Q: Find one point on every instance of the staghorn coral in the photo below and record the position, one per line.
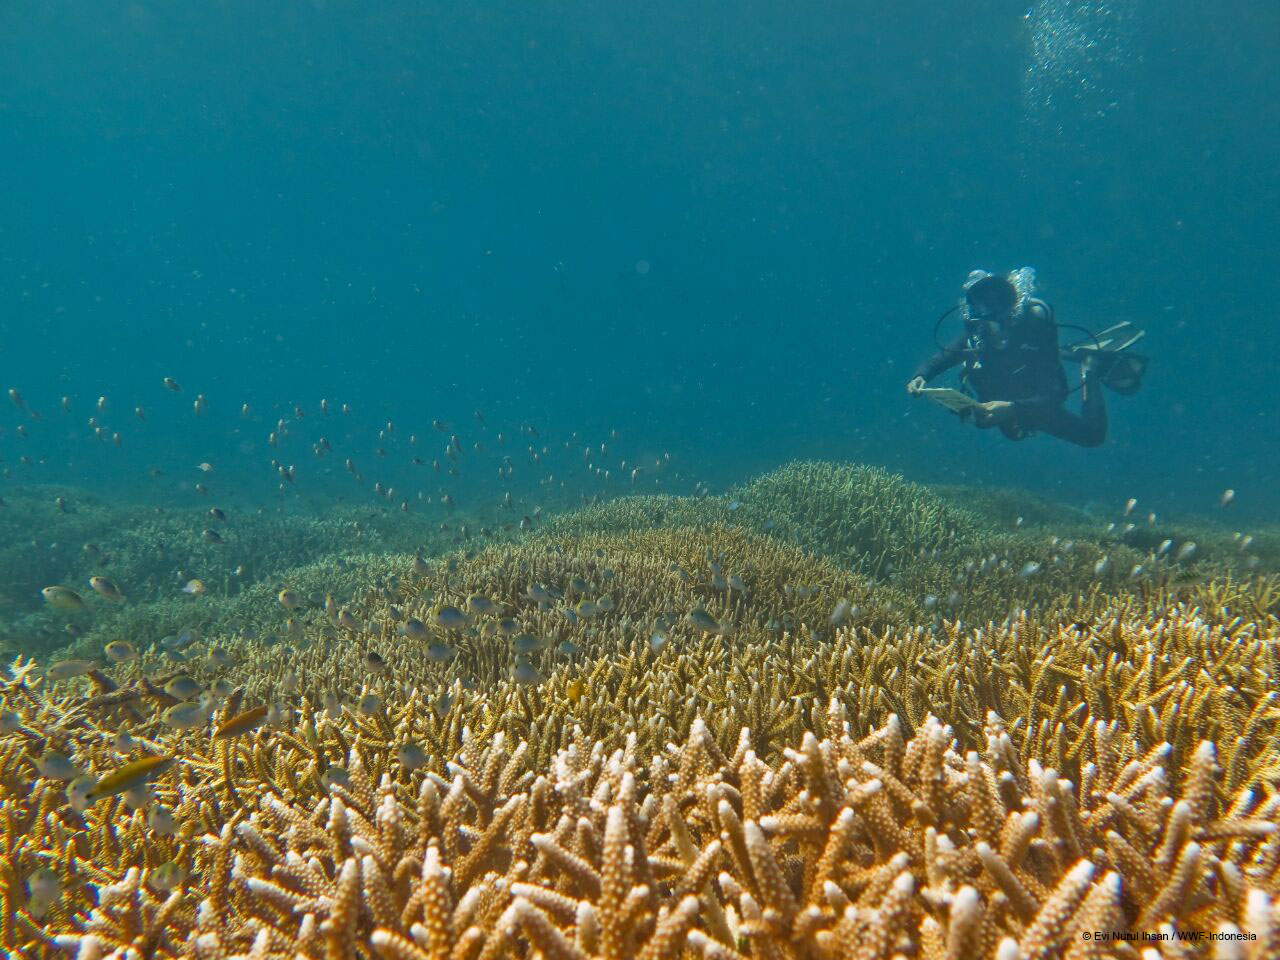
(1002, 506)
(864, 846)
(776, 786)
(640, 513)
(151, 552)
(862, 516)
(955, 563)
(890, 790)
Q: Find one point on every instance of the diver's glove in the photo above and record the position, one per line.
(993, 413)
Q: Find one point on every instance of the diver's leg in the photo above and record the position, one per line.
(1087, 429)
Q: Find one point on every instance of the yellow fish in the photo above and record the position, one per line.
(107, 588)
(244, 722)
(577, 687)
(62, 598)
(129, 776)
(120, 651)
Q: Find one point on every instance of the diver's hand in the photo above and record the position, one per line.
(993, 413)
(915, 385)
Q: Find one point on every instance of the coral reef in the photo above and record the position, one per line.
(865, 517)
(150, 553)
(665, 728)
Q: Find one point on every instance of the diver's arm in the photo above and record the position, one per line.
(943, 360)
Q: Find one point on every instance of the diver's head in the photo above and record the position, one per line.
(990, 299)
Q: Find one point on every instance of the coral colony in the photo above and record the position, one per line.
(829, 715)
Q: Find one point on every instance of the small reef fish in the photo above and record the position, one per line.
(528, 643)
(66, 669)
(62, 598)
(44, 884)
(212, 536)
(441, 653)
(137, 798)
(1029, 569)
(166, 878)
(1185, 551)
(45, 889)
(184, 716)
(218, 657)
(172, 384)
(706, 622)
(120, 651)
(78, 792)
(1228, 497)
(840, 615)
(577, 687)
(289, 599)
(183, 687)
(411, 756)
(194, 587)
(335, 776)
(180, 641)
(55, 765)
(107, 588)
(129, 776)
(526, 674)
(11, 722)
(449, 618)
(161, 819)
(414, 629)
(124, 742)
(479, 603)
(245, 722)
(444, 703)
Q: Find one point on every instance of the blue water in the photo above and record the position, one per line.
(723, 230)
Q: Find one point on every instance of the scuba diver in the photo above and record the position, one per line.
(1013, 371)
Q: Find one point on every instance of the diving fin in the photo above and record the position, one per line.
(1121, 372)
(1114, 339)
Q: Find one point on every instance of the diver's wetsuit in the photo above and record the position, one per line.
(1022, 364)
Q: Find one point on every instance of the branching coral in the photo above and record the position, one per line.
(863, 516)
(647, 743)
(871, 846)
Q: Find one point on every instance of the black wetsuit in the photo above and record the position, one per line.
(1021, 363)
